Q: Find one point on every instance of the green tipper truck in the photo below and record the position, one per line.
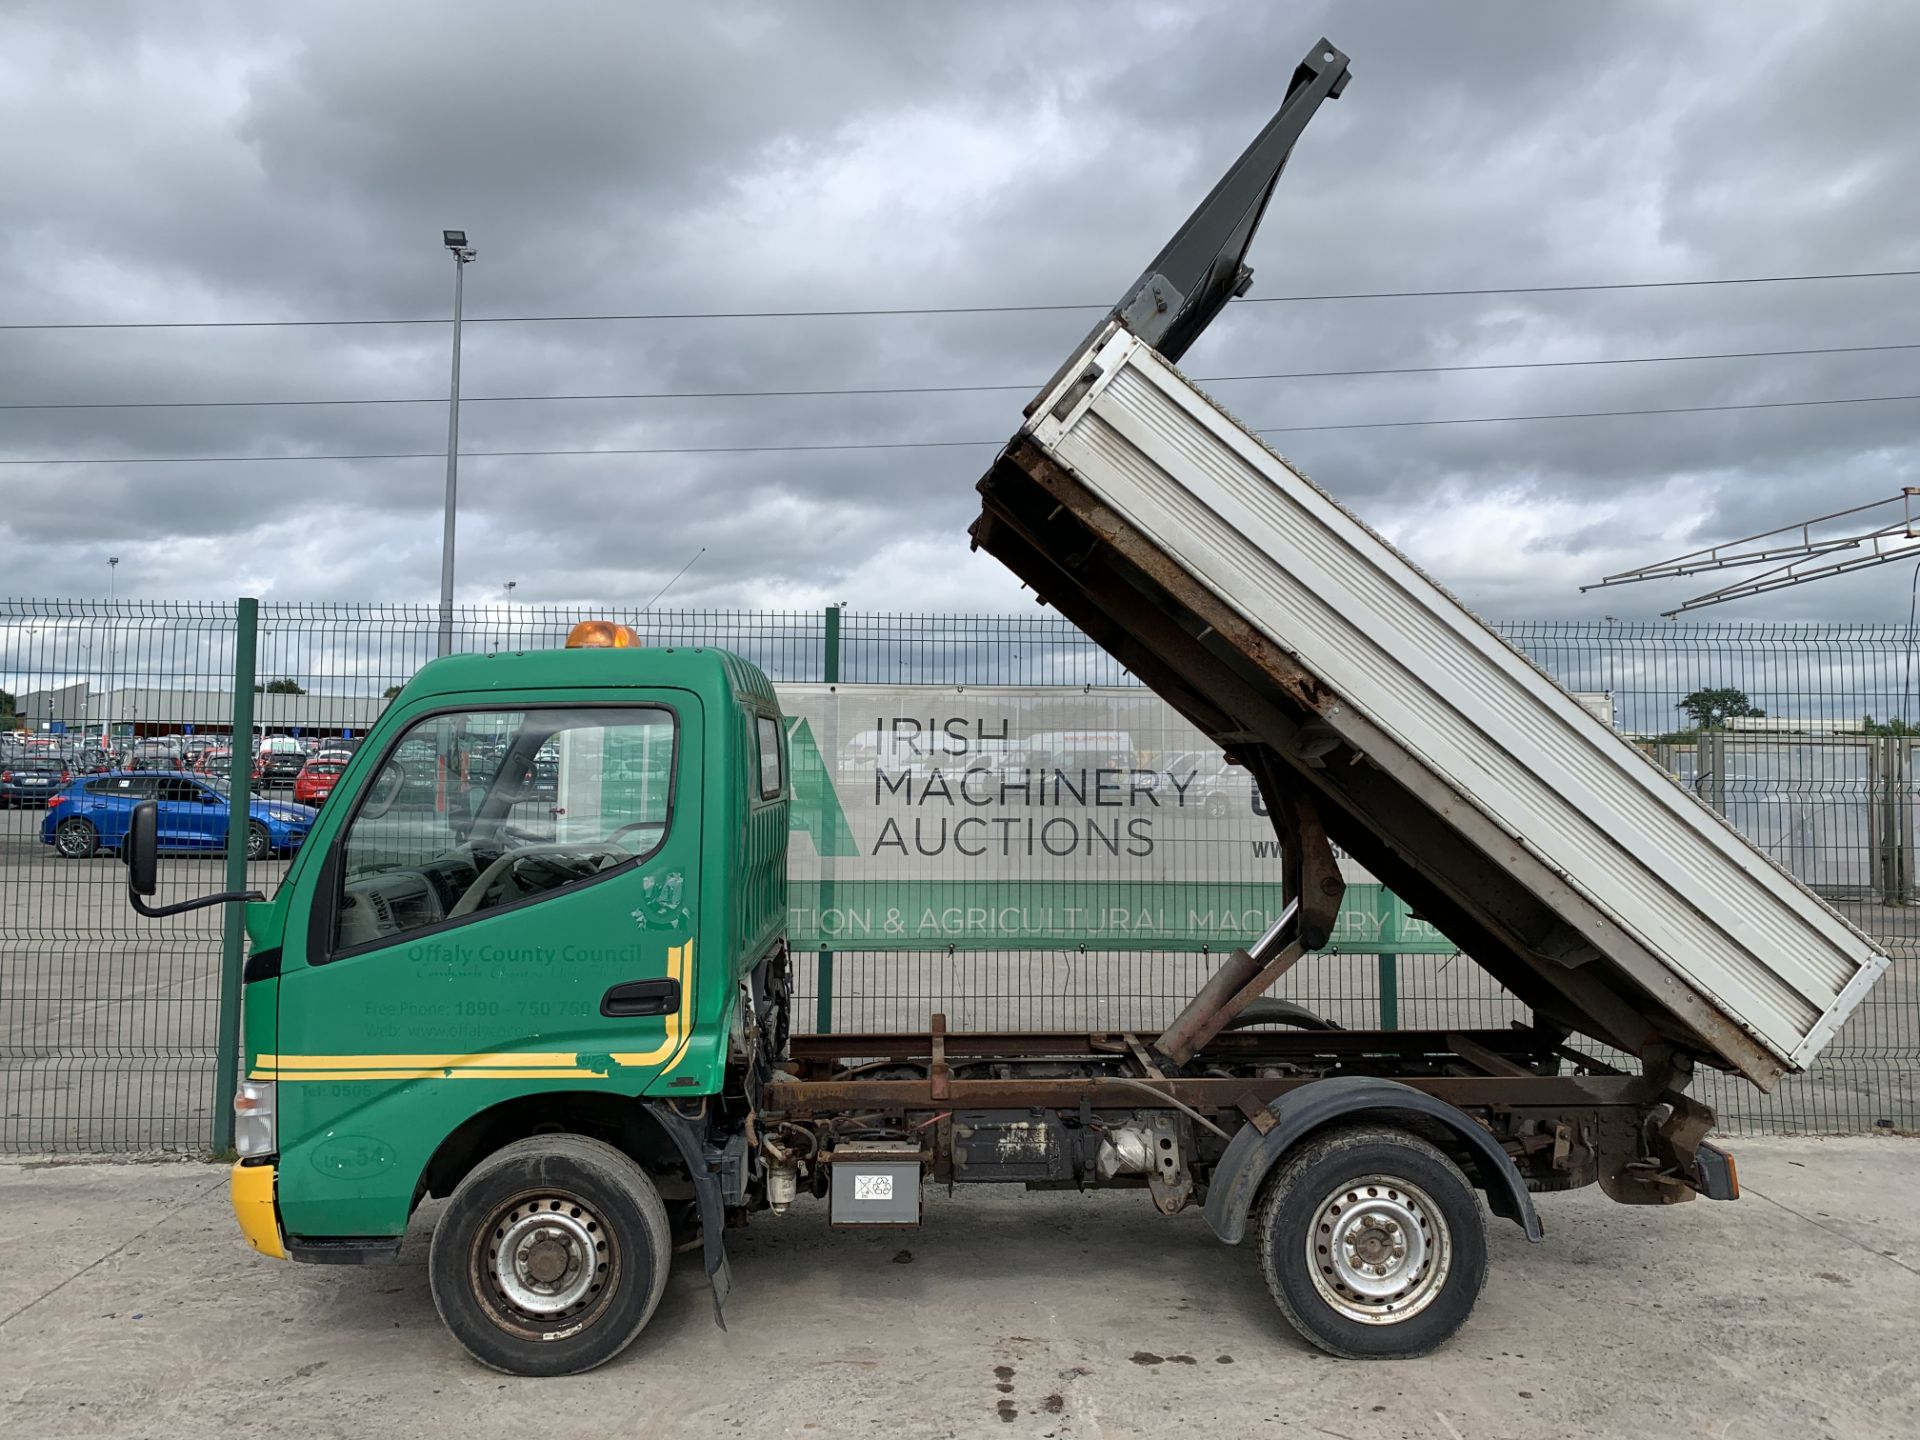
(532, 957)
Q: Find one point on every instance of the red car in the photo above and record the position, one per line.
(316, 780)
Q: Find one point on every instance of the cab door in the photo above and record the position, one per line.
(478, 941)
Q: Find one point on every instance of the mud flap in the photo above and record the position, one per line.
(687, 1138)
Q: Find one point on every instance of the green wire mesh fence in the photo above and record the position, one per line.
(1800, 735)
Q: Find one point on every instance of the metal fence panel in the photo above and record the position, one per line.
(110, 1022)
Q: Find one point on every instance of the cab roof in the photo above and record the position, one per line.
(713, 673)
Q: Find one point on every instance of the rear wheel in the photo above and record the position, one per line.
(1373, 1243)
(551, 1256)
(75, 839)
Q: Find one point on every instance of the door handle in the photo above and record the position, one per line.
(641, 997)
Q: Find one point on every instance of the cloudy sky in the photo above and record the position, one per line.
(237, 162)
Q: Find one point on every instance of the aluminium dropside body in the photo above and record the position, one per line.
(1546, 845)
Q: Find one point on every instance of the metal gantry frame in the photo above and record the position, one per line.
(1794, 547)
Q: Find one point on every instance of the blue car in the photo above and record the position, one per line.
(94, 813)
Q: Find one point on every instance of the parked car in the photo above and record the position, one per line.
(94, 813)
(30, 780)
(278, 762)
(317, 778)
(215, 761)
(1222, 788)
(155, 753)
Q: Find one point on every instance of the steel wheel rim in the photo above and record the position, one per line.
(74, 839)
(1379, 1250)
(544, 1265)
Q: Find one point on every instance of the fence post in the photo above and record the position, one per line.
(1902, 789)
(830, 755)
(226, 1068)
(1389, 992)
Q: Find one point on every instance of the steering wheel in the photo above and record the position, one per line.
(471, 898)
(384, 790)
(636, 825)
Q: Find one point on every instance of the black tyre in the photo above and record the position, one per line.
(75, 839)
(259, 841)
(551, 1256)
(1373, 1243)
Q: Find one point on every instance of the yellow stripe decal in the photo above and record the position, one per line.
(496, 1058)
(493, 1065)
(679, 967)
(522, 1073)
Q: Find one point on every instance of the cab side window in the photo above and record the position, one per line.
(477, 810)
(771, 769)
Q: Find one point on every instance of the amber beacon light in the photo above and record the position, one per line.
(601, 635)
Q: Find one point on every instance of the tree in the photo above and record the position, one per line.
(7, 719)
(390, 692)
(1712, 708)
(281, 686)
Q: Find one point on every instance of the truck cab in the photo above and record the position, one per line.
(548, 897)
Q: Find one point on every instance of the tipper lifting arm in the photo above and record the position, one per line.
(1314, 890)
(1204, 265)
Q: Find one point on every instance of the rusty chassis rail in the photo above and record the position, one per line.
(815, 1051)
(1484, 1068)
(807, 1099)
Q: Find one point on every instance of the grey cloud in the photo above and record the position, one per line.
(220, 160)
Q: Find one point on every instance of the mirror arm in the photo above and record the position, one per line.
(154, 912)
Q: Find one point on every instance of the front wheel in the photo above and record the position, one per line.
(259, 842)
(1373, 1244)
(551, 1256)
(75, 839)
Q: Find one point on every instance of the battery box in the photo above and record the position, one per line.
(875, 1182)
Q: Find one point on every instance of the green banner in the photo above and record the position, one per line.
(1015, 914)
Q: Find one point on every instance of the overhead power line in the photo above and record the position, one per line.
(939, 389)
(868, 312)
(938, 444)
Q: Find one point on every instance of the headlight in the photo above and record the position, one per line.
(285, 817)
(253, 1119)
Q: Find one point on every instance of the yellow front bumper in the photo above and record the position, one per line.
(251, 1189)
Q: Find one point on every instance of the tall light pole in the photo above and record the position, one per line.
(463, 254)
(113, 639)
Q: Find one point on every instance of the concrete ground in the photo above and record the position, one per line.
(129, 1306)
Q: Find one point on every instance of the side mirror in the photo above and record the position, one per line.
(207, 798)
(142, 854)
